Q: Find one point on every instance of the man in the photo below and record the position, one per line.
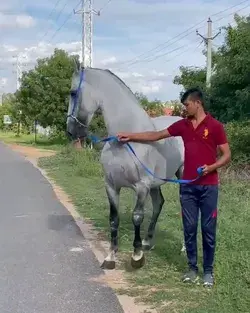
(203, 136)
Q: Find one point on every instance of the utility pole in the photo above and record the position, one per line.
(208, 41)
(19, 68)
(87, 39)
(3, 83)
(87, 32)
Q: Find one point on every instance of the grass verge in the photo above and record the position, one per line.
(158, 282)
(42, 142)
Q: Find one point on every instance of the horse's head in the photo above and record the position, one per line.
(82, 103)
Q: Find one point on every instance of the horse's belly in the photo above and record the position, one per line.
(122, 173)
(123, 169)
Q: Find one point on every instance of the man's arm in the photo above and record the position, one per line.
(144, 137)
(173, 130)
(225, 157)
(223, 149)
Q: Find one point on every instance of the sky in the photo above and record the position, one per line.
(144, 42)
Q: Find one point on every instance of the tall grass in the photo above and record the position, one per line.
(158, 283)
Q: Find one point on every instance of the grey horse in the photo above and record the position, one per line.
(93, 89)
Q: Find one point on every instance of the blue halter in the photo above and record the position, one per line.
(75, 98)
(95, 139)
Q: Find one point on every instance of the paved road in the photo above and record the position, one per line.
(38, 271)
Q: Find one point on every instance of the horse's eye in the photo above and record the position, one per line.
(73, 93)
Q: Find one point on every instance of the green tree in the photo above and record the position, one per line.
(153, 108)
(229, 95)
(191, 77)
(45, 89)
(8, 108)
(230, 90)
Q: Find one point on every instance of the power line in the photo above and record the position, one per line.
(175, 72)
(232, 7)
(184, 51)
(221, 18)
(69, 16)
(57, 18)
(164, 43)
(45, 34)
(185, 33)
(163, 54)
(188, 47)
(58, 1)
(105, 5)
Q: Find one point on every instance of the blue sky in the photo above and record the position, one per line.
(126, 30)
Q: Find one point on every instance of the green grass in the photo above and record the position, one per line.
(42, 142)
(158, 282)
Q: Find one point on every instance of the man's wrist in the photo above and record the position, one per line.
(214, 166)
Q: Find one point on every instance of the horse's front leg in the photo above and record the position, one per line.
(138, 259)
(157, 202)
(113, 196)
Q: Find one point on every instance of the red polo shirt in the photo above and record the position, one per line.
(200, 146)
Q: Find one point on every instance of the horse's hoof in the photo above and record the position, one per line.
(137, 261)
(146, 245)
(108, 265)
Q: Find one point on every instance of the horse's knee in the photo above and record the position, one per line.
(138, 217)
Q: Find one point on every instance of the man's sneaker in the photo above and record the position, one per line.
(208, 280)
(191, 277)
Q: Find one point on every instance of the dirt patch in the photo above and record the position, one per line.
(114, 278)
(31, 152)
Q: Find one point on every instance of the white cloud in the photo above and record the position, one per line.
(125, 30)
(14, 21)
(4, 81)
(108, 61)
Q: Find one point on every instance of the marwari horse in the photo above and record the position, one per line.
(93, 89)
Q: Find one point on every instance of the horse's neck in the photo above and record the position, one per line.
(122, 113)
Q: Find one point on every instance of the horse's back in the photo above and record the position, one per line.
(162, 122)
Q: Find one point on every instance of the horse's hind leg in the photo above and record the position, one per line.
(138, 259)
(113, 197)
(157, 202)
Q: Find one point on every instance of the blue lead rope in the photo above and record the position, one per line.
(95, 139)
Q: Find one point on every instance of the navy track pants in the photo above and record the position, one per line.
(203, 199)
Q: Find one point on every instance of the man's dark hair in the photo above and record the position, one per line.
(193, 94)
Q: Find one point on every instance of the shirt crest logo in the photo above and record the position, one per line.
(205, 133)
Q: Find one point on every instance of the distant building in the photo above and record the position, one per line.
(168, 111)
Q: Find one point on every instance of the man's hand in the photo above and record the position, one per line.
(144, 136)
(206, 169)
(223, 160)
(124, 137)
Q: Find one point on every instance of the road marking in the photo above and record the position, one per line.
(24, 215)
(76, 249)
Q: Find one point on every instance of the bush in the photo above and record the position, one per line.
(239, 138)
(83, 163)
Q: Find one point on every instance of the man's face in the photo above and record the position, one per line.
(191, 106)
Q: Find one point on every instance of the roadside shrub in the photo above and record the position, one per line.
(239, 137)
(84, 162)
(58, 137)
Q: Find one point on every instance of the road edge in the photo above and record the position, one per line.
(99, 247)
